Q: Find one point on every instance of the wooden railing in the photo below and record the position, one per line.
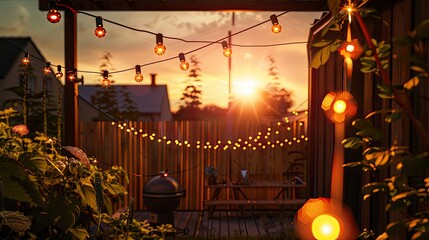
(185, 148)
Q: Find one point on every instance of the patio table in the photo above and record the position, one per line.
(285, 196)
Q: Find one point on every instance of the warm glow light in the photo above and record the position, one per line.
(138, 77)
(227, 52)
(26, 58)
(47, 69)
(340, 106)
(183, 64)
(276, 28)
(53, 15)
(105, 82)
(350, 48)
(325, 227)
(59, 74)
(99, 30)
(159, 47)
(246, 87)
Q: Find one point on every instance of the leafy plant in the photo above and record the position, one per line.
(408, 184)
(210, 171)
(47, 195)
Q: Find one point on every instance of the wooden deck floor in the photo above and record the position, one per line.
(227, 224)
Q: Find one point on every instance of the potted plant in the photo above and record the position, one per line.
(211, 173)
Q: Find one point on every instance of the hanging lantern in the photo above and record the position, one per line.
(53, 15)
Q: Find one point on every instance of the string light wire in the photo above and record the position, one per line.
(207, 43)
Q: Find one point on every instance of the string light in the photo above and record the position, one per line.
(26, 58)
(59, 74)
(159, 47)
(53, 15)
(105, 82)
(139, 76)
(47, 69)
(184, 65)
(71, 75)
(238, 144)
(227, 52)
(276, 28)
(100, 32)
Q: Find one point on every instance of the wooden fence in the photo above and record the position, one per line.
(185, 148)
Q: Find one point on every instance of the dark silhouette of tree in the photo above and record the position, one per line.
(106, 98)
(190, 106)
(277, 98)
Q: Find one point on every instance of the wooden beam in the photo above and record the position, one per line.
(192, 5)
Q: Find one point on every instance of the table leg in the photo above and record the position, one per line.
(216, 195)
(237, 192)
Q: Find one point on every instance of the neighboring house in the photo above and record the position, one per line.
(152, 101)
(12, 51)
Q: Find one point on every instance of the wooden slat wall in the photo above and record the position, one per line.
(143, 158)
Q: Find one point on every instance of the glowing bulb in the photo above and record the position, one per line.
(159, 48)
(276, 28)
(71, 75)
(26, 58)
(47, 69)
(99, 30)
(139, 76)
(226, 49)
(340, 106)
(350, 48)
(59, 74)
(105, 82)
(53, 15)
(325, 227)
(183, 64)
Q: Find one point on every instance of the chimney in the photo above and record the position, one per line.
(153, 79)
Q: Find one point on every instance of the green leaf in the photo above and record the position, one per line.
(34, 162)
(322, 43)
(394, 116)
(87, 192)
(374, 187)
(352, 164)
(362, 124)
(63, 212)
(373, 133)
(352, 142)
(78, 232)
(17, 185)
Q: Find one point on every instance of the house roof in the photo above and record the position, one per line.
(10, 49)
(149, 99)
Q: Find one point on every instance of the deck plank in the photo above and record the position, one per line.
(228, 223)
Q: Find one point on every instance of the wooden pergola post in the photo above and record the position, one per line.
(71, 116)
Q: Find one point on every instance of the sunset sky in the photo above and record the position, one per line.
(22, 18)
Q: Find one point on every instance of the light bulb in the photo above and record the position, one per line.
(106, 81)
(59, 74)
(99, 30)
(350, 48)
(226, 49)
(139, 76)
(276, 28)
(183, 64)
(47, 69)
(325, 227)
(339, 106)
(159, 47)
(71, 75)
(26, 58)
(53, 15)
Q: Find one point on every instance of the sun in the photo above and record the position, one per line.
(245, 87)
